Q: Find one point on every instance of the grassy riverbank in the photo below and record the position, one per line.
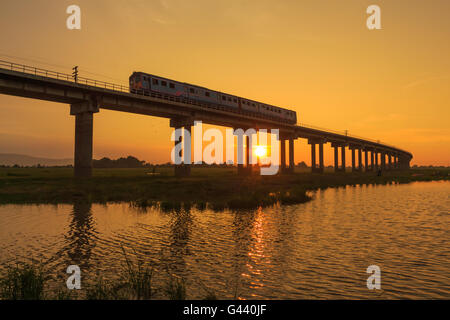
(135, 282)
(216, 187)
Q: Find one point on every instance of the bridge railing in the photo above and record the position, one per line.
(62, 76)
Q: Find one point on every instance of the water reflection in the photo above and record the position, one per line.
(242, 235)
(179, 226)
(79, 240)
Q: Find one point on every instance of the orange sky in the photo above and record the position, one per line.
(315, 57)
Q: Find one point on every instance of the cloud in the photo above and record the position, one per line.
(424, 81)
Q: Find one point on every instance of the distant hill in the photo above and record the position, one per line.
(10, 159)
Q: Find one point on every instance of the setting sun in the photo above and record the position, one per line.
(260, 151)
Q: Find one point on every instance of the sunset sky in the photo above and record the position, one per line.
(316, 57)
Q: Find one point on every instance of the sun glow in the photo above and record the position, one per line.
(260, 151)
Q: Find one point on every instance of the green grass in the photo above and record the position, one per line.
(216, 188)
(135, 282)
(23, 282)
(138, 277)
(176, 289)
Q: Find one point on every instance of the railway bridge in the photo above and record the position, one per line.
(87, 96)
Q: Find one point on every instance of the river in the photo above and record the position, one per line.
(316, 250)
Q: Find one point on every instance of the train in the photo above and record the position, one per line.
(146, 84)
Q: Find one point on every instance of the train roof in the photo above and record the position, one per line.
(159, 77)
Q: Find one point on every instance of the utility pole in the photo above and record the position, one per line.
(75, 73)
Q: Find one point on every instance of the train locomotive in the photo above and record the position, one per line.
(144, 83)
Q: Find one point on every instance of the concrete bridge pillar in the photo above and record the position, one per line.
(247, 153)
(283, 155)
(184, 169)
(336, 146)
(390, 162)
(291, 155)
(187, 149)
(313, 157)
(336, 158)
(383, 161)
(248, 156)
(353, 159)
(372, 160)
(401, 164)
(376, 160)
(247, 169)
(179, 170)
(313, 142)
(404, 162)
(366, 160)
(240, 153)
(84, 127)
(360, 163)
(321, 164)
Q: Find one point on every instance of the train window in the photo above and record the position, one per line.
(191, 90)
(155, 81)
(224, 98)
(235, 100)
(253, 105)
(172, 85)
(229, 99)
(207, 94)
(164, 83)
